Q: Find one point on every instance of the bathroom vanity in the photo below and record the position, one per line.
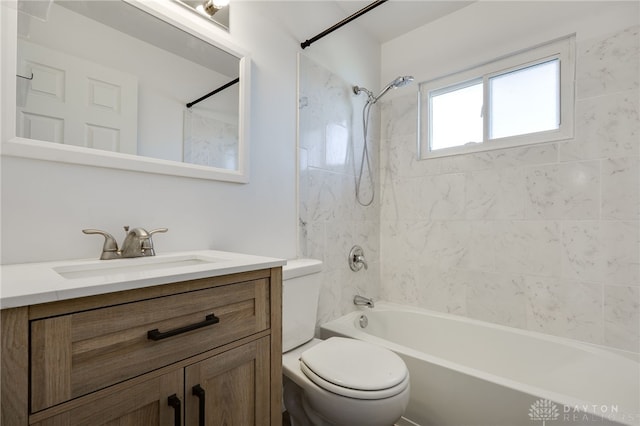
(188, 340)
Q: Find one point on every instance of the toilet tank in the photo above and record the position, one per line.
(300, 292)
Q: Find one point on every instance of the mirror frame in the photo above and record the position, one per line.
(173, 14)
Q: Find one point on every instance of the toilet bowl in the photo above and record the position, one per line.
(338, 381)
(342, 381)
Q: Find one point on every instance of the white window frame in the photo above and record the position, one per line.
(562, 49)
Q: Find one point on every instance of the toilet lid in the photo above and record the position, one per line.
(354, 364)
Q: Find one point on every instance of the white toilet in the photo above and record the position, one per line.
(338, 381)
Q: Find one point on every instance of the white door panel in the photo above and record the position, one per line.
(77, 102)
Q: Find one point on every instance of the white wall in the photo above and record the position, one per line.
(545, 237)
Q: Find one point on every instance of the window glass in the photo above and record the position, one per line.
(456, 116)
(525, 100)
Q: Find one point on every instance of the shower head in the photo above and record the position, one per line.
(401, 81)
(398, 82)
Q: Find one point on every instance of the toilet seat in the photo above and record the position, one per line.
(355, 369)
(354, 393)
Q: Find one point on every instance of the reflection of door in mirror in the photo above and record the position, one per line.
(74, 101)
(119, 57)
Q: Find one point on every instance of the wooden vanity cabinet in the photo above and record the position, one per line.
(202, 352)
(140, 404)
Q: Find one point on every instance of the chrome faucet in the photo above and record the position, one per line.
(137, 243)
(363, 301)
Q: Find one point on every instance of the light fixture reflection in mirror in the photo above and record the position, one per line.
(215, 10)
(211, 7)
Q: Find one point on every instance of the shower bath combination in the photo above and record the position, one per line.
(371, 100)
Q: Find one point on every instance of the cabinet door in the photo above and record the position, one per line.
(230, 389)
(150, 403)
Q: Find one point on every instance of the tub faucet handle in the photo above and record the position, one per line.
(356, 259)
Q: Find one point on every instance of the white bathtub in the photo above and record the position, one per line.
(472, 373)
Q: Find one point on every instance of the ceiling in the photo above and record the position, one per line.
(304, 19)
(396, 17)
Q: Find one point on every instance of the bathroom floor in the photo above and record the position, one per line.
(287, 422)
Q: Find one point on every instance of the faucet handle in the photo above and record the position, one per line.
(147, 244)
(356, 259)
(155, 231)
(110, 247)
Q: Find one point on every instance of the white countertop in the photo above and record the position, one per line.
(32, 283)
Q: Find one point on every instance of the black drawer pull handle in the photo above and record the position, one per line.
(199, 392)
(156, 335)
(174, 402)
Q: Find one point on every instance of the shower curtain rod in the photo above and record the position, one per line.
(213, 92)
(341, 23)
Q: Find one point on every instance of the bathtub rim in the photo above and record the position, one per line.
(348, 322)
(590, 347)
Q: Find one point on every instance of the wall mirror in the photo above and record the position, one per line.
(128, 84)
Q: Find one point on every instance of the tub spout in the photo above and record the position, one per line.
(363, 301)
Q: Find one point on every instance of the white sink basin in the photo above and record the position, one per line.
(107, 268)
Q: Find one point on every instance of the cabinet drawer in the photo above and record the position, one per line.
(73, 355)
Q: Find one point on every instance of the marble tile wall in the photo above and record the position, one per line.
(330, 220)
(544, 237)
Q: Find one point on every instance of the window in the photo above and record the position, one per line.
(451, 106)
(521, 99)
